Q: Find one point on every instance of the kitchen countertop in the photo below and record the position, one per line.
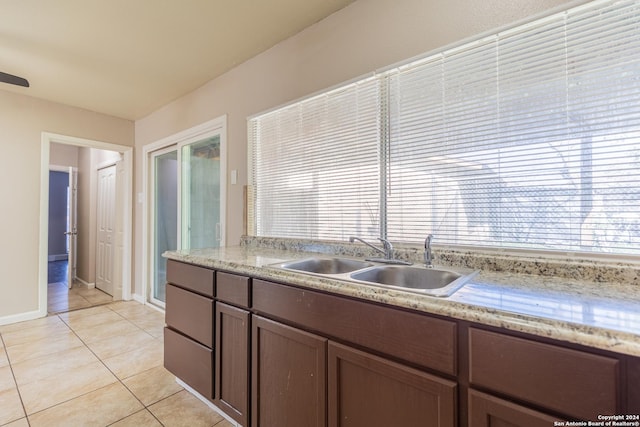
(594, 314)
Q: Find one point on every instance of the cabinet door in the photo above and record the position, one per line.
(489, 411)
(369, 391)
(288, 376)
(232, 361)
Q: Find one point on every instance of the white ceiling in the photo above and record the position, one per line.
(127, 58)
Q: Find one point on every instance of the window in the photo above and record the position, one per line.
(528, 138)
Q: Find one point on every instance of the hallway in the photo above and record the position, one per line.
(61, 299)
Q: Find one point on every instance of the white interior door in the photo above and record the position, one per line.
(72, 226)
(106, 236)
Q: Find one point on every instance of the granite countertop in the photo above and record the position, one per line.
(594, 314)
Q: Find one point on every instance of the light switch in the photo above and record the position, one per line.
(140, 197)
(234, 176)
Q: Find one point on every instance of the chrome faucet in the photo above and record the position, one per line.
(428, 254)
(387, 250)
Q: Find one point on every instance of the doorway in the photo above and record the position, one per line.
(121, 258)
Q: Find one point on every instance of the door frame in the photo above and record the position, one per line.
(127, 208)
(193, 134)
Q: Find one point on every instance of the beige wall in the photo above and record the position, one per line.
(22, 121)
(63, 155)
(363, 37)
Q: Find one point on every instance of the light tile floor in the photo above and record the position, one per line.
(100, 366)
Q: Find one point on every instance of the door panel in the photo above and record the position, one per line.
(106, 228)
(201, 194)
(165, 218)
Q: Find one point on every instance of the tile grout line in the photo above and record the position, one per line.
(15, 382)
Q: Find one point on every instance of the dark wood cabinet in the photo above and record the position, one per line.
(188, 345)
(369, 391)
(566, 381)
(489, 411)
(232, 361)
(288, 376)
(288, 356)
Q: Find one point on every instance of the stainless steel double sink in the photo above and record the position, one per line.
(427, 281)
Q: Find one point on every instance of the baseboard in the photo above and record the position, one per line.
(138, 298)
(87, 284)
(58, 257)
(21, 317)
(207, 402)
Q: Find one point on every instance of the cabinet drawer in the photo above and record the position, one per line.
(194, 278)
(189, 361)
(568, 381)
(413, 337)
(233, 289)
(191, 314)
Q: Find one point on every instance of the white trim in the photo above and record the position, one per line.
(46, 139)
(59, 168)
(192, 134)
(20, 317)
(207, 402)
(140, 299)
(87, 284)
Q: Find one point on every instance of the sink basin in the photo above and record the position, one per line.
(326, 265)
(424, 280)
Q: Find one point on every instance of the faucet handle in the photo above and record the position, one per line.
(388, 247)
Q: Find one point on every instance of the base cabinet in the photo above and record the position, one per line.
(232, 361)
(288, 376)
(489, 411)
(367, 391)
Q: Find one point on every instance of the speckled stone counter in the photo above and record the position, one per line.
(597, 314)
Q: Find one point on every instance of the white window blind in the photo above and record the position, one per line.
(529, 138)
(316, 166)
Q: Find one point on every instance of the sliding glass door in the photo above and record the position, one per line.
(187, 193)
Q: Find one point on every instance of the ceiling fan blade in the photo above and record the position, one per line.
(13, 80)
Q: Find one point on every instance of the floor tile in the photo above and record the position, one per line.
(64, 386)
(4, 361)
(184, 409)
(34, 334)
(134, 362)
(129, 308)
(22, 422)
(6, 379)
(43, 321)
(90, 320)
(43, 367)
(10, 406)
(124, 343)
(152, 385)
(105, 330)
(143, 418)
(48, 345)
(100, 407)
(74, 315)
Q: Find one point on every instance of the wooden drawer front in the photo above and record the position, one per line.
(366, 390)
(189, 361)
(409, 336)
(194, 278)
(233, 289)
(191, 314)
(489, 411)
(570, 382)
